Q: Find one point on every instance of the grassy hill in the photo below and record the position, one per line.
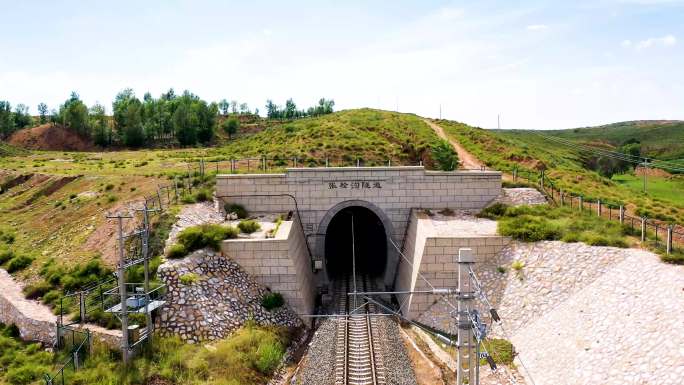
(507, 149)
(659, 139)
(373, 136)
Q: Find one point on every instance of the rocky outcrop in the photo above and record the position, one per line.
(209, 296)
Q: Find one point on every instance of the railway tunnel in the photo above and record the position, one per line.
(355, 239)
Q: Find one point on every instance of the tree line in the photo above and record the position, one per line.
(185, 119)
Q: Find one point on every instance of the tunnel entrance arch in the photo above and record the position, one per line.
(375, 253)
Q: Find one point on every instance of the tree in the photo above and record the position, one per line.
(224, 106)
(22, 118)
(206, 120)
(6, 119)
(230, 126)
(233, 106)
(74, 115)
(43, 111)
(271, 109)
(290, 109)
(185, 124)
(133, 133)
(444, 155)
(98, 122)
(244, 109)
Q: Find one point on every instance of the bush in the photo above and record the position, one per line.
(202, 195)
(198, 237)
(19, 262)
(249, 226)
(269, 356)
(189, 278)
(444, 155)
(176, 251)
(236, 209)
(528, 228)
(187, 198)
(6, 255)
(37, 290)
(495, 211)
(271, 301)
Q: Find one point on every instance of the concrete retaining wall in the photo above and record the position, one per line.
(392, 191)
(281, 263)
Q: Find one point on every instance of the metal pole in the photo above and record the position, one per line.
(465, 360)
(81, 306)
(122, 293)
(562, 198)
(622, 214)
(581, 203)
(598, 207)
(146, 259)
(669, 239)
(643, 229)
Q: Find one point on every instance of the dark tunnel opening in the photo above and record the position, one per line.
(369, 243)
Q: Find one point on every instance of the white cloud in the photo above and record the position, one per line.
(537, 27)
(665, 41)
(449, 13)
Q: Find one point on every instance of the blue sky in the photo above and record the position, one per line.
(539, 64)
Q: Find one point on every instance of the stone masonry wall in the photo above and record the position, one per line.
(281, 263)
(395, 190)
(436, 260)
(35, 321)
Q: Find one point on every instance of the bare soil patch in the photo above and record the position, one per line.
(50, 137)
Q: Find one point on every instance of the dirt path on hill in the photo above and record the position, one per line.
(467, 160)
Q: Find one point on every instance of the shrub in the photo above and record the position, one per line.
(444, 155)
(269, 355)
(19, 262)
(202, 195)
(271, 301)
(198, 237)
(495, 211)
(236, 209)
(187, 198)
(501, 350)
(6, 255)
(37, 290)
(109, 187)
(176, 251)
(110, 198)
(528, 228)
(189, 278)
(501, 269)
(249, 226)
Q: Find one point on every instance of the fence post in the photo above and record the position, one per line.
(263, 160)
(643, 229)
(515, 174)
(669, 239)
(562, 198)
(327, 162)
(581, 203)
(541, 180)
(622, 214)
(81, 306)
(598, 207)
(358, 162)
(295, 162)
(75, 354)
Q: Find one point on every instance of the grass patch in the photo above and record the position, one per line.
(237, 209)
(543, 222)
(199, 237)
(176, 251)
(189, 279)
(249, 356)
(22, 363)
(249, 226)
(272, 301)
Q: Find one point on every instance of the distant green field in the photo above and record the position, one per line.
(666, 189)
(507, 149)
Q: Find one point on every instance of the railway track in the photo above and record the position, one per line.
(358, 358)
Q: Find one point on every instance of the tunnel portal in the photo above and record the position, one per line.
(355, 231)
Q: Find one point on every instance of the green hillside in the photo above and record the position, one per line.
(659, 139)
(373, 136)
(507, 149)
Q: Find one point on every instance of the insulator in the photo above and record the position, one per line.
(491, 362)
(495, 315)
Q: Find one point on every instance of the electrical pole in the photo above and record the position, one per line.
(121, 272)
(644, 169)
(466, 360)
(498, 121)
(440, 111)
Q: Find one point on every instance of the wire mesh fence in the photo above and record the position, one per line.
(668, 237)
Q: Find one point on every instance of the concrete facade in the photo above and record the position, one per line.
(281, 263)
(390, 192)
